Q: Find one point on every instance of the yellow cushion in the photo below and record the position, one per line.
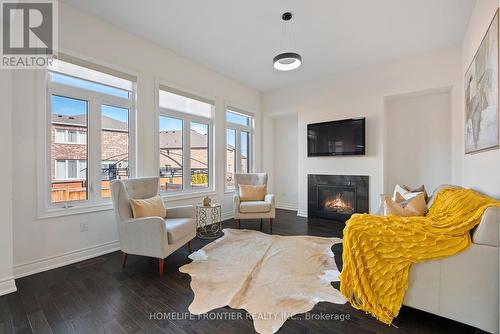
(252, 193)
(414, 207)
(148, 207)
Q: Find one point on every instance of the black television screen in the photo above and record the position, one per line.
(345, 137)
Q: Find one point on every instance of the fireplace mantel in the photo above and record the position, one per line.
(337, 197)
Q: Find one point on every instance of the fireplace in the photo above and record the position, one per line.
(337, 197)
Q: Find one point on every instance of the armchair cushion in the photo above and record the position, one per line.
(148, 207)
(179, 228)
(249, 192)
(255, 206)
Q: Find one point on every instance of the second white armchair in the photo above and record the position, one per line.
(264, 209)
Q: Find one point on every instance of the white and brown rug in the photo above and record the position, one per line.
(272, 277)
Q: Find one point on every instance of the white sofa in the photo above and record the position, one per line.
(464, 287)
(150, 236)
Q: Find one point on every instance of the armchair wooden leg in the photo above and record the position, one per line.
(124, 259)
(271, 224)
(161, 263)
(238, 223)
(261, 221)
(190, 246)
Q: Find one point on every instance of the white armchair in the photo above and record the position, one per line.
(150, 236)
(265, 209)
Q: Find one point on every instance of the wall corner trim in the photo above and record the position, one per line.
(302, 213)
(7, 285)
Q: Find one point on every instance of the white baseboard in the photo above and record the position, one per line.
(48, 263)
(7, 285)
(227, 215)
(302, 213)
(286, 206)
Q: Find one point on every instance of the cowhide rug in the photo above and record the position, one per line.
(272, 277)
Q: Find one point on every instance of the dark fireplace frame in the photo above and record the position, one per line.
(359, 183)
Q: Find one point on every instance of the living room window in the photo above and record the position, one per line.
(89, 114)
(185, 144)
(239, 134)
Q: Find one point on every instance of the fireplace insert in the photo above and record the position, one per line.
(337, 197)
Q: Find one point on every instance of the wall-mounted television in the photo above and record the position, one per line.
(344, 137)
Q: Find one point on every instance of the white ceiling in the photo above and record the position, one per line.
(240, 38)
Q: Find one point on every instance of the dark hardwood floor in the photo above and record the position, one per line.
(97, 296)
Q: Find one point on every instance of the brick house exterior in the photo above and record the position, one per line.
(69, 143)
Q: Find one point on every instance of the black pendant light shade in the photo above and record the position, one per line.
(287, 61)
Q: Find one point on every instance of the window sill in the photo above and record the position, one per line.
(54, 212)
(75, 210)
(176, 196)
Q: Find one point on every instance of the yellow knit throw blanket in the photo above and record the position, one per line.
(378, 251)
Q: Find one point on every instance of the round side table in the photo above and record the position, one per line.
(208, 219)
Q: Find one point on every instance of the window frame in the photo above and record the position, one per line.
(239, 128)
(45, 89)
(187, 190)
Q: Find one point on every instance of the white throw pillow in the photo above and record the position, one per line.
(403, 191)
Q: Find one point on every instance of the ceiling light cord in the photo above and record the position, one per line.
(294, 42)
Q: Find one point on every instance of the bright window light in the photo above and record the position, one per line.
(184, 104)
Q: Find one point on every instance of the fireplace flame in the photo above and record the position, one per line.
(339, 205)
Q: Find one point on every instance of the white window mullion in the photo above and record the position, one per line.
(94, 149)
(251, 150)
(132, 138)
(186, 153)
(211, 156)
(237, 151)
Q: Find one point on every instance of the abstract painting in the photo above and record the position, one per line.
(481, 95)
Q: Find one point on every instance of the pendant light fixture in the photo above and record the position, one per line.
(287, 61)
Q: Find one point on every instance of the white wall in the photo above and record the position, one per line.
(45, 243)
(418, 140)
(361, 93)
(268, 153)
(6, 275)
(286, 160)
(481, 171)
